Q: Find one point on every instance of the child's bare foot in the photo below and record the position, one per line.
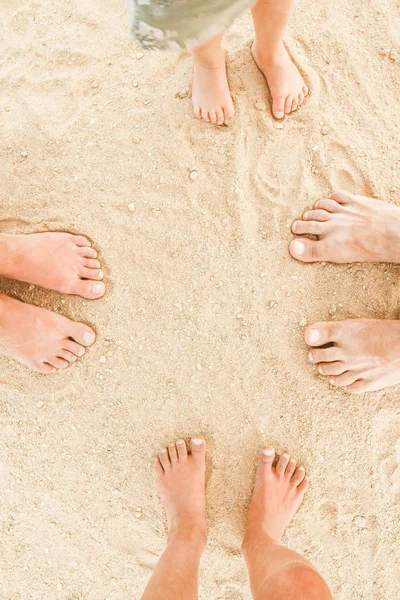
(181, 482)
(285, 82)
(350, 229)
(39, 338)
(212, 100)
(278, 493)
(360, 355)
(57, 261)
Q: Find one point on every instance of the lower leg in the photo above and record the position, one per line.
(211, 97)
(276, 572)
(181, 482)
(287, 87)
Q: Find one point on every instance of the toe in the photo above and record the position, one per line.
(288, 104)
(80, 333)
(173, 455)
(295, 104)
(303, 486)
(301, 98)
(267, 456)
(342, 196)
(307, 250)
(90, 273)
(58, 363)
(91, 263)
(204, 115)
(158, 468)
(220, 116)
(88, 289)
(325, 355)
(46, 368)
(278, 107)
(320, 334)
(80, 240)
(213, 116)
(87, 252)
(164, 459)
(327, 205)
(282, 464)
(344, 380)
(298, 475)
(305, 90)
(182, 450)
(74, 348)
(197, 112)
(198, 449)
(291, 467)
(229, 112)
(317, 215)
(66, 355)
(361, 386)
(332, 368)
(309, 227)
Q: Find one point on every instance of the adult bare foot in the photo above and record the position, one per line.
(57, 261)
(349, 229)
(287, 87)
(212, 100)
(39, 338)
(278, 493)
(181, 483)
(360, 355)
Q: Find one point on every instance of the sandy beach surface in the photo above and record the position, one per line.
(201, 329)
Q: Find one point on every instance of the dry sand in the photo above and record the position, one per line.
(102, 129)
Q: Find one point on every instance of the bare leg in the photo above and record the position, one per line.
(181, 482)
(287, 86)
(212, 100)
(276, 572)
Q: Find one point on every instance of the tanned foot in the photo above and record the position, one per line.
(359, 355)
(285, 82)
(39, 338)
(57, 261)
(181, 483)
(278, 493)
(212, 100)
(349, 229)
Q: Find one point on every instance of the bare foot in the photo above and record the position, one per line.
(362, 355)
(39, 338)
(181, 483)
(212, 100)
(278, 493)
(57, 261)
(350, 229)
(285, 82)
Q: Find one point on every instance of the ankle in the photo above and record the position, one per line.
(209, 59)
(189, 535)
(3, 311)
(8, 255)
(256, 537)
(268, 51)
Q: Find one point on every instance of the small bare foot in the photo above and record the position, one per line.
(212, 100)
(181, 483)
(57, 261)
(360, 355)
(285, 82)
(278, 493)
(39, 338)
(349, 229)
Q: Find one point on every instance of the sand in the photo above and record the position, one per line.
(201, 329)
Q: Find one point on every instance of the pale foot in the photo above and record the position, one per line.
(39, 338)
(349, 229)
(278, 493)
(362, 355)
(57, 261)
(287, 87)
(212, 100)
(181, 483)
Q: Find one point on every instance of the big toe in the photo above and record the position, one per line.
(278, 106)
(88, 289)
(198, 449)
(342, 196)
(306, 250)
(80, 333)
(321, 334)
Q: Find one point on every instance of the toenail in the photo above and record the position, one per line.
(268, 451)
(100, 275)
(298, 247)
(320, 370)
(313, 336)
(97, 289)
(279, 115)
(88, 337)
(180, 442)
(332, 381)
(81, 351)
(310, 357)
(163, 451)
(305, 216)
(197, 441)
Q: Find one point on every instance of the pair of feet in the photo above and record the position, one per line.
(212, 100)
(41, 339)
(359, 355)
(278, 492)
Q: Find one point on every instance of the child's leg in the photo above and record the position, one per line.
(287, 86)
(181, 482)
(212, 100)
(276, 572)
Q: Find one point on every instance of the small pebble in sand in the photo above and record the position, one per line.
(324, 130)
(198, 366)
(394, 55)
(193, 175)
(239, 316)
(39, 404)
(260, 105)
(303, 322)
(135, 83)
(333, 309)
(139, 55)
(278, 125)
(360, 522)
(131, 207)
(182, 94)
(31, 287)
(94, 85)
(102, 359)
(24, 154)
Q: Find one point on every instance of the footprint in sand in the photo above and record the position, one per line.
(387, 443)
